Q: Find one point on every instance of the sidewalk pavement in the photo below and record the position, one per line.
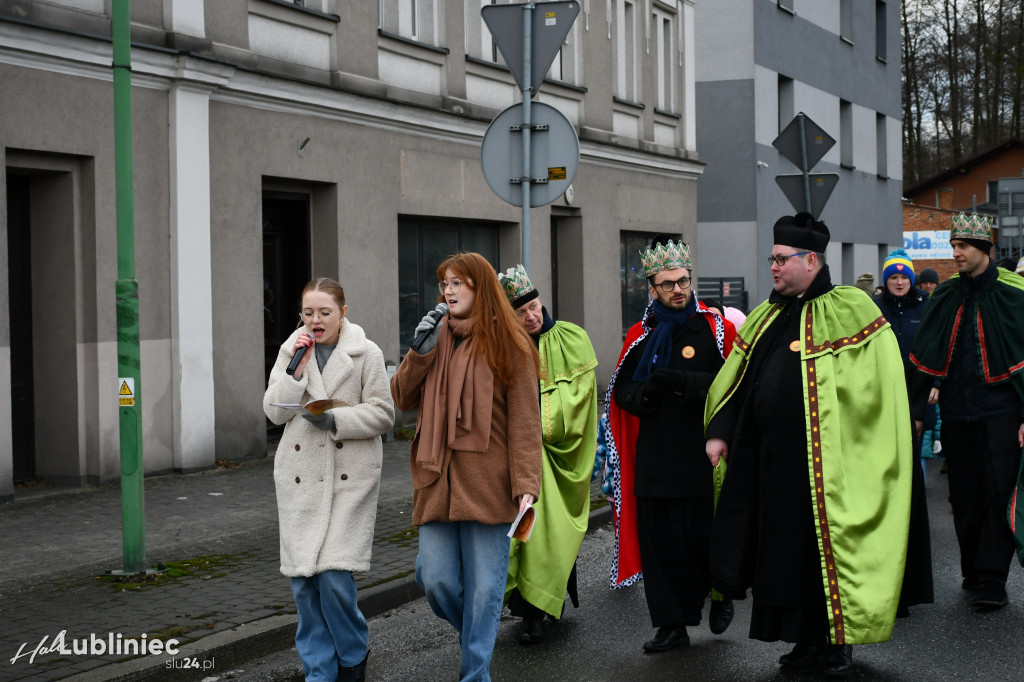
(223, 597)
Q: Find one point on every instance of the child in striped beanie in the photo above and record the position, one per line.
(898, 263)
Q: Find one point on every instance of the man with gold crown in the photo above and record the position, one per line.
(811, 412)
(663, 489)
(541, 570)
(972, 339)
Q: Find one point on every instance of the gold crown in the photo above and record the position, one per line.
(516, 283)
(665, 257)
(972, 226)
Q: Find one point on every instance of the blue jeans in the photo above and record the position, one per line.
(332, 630)
(462, 566)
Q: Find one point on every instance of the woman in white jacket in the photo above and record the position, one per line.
(327, 476)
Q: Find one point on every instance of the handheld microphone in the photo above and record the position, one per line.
(436, 314)
(297, 358)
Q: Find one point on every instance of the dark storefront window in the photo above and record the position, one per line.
(634, 284)
(422, 245)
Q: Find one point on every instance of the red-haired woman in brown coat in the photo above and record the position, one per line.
(476, 457)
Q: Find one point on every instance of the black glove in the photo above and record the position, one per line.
(674, 379)
(323, 421)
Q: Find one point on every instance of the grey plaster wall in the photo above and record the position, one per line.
(725, 130)
(808, 53)
(74, 262)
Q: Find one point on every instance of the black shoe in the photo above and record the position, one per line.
(356, 673)
(720, 615)
(990, 596)
(667, 638)
(839, 662)
(902, 611)
(804, 655)
(532, 632)
(970, 583)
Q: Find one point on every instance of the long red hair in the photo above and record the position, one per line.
(497, 333)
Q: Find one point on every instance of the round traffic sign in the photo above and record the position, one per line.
(554, 154)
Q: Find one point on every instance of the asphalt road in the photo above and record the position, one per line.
(602, 639)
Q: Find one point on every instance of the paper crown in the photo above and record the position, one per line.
(972, 226)
(517, 285)
(668, 256)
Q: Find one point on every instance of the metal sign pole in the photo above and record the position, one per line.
(804, 167)
(527, 126)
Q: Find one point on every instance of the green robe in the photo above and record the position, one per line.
(540, 567)
(858, 442)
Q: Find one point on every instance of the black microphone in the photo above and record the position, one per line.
(297, 358)
(436, 314)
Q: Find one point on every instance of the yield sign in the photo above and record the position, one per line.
(550, 24)
(818, 188)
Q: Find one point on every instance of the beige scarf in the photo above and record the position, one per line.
(456, 404)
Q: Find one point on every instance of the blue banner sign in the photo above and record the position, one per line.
(927, 245)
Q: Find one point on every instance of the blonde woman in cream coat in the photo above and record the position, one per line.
(327, 477)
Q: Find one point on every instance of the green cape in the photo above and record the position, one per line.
(540, 567)
(858, 452)
(999, 330)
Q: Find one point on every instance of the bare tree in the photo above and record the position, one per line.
(963, 75)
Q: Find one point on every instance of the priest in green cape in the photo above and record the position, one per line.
(542, 569)
(811, 412)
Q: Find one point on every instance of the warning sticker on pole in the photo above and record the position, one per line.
(549, 19)
(557, 173)
(126, 392)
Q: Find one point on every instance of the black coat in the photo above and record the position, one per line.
(670, 457)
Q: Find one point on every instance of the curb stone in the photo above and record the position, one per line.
(230, 648)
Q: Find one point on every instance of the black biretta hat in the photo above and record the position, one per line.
(802, 231)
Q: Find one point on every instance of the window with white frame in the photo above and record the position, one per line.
(568, 62)
(418, 20)
(664, 37)
(625, 59)
(479, 42)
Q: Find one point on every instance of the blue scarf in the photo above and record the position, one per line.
(659, 340)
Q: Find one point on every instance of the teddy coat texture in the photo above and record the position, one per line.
(479, 486)
(327, 481)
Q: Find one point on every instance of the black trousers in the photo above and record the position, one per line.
(800, 616)
(675, 553)
(983, 459)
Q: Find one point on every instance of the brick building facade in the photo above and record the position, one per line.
(970, 183)
(917, 218)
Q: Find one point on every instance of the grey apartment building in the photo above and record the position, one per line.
(275, 141)
(759, 63)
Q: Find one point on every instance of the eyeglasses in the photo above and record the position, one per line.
(781, 260)
(324, 314)
(669, 285)
(454, 284)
